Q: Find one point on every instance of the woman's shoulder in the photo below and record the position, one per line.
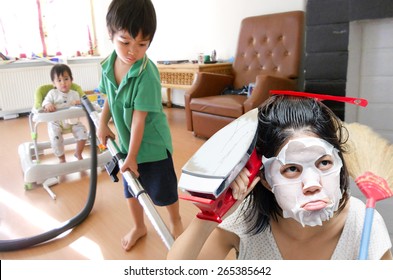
(235, 222)
(357, 210)
(356, 204)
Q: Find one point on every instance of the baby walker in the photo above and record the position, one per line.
(36, 172)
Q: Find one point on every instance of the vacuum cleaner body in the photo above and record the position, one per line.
(206, 177)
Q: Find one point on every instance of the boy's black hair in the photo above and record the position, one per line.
(280, 117)
(133, 16)
(58, 70)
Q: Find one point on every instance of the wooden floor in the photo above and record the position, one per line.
(27, 213)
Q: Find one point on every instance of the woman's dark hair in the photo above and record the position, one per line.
(58, 70)
(280, 117)
(134, 16)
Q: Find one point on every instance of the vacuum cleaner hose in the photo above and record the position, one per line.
(22, 243)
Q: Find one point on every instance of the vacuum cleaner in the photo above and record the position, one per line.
(206, 177)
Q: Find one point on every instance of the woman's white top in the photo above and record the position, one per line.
(263, 245)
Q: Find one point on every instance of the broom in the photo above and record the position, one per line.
(369, 160)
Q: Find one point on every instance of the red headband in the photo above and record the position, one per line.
(356, 101)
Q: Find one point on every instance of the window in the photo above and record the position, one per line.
(46, 27)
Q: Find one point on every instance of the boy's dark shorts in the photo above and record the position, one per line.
(159, 181)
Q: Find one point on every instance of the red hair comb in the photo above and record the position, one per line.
(356, 101)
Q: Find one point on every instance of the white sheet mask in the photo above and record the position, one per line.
(313, 195)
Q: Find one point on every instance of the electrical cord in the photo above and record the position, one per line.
(22, 243)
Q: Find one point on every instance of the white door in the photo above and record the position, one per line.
(370, 74)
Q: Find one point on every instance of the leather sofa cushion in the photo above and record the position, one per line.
(205, 125)
(223, 105)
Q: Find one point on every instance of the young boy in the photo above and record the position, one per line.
(132, 84)
(62, 96)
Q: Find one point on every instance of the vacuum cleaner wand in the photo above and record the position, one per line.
(133, 184)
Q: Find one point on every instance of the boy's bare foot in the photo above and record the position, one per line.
(130, 239)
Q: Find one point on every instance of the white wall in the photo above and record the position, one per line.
(185, 28)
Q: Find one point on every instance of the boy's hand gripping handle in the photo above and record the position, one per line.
(214, 210)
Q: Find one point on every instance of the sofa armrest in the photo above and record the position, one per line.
(205, 84)
(263, 85)
(208, 84)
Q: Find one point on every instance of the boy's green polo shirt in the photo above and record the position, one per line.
(139, 90)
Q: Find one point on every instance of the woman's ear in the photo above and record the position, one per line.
(263, 180)
(265, 184)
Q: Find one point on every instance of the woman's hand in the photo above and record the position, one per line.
(240, 189)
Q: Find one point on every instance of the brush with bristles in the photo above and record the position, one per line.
(369, 159)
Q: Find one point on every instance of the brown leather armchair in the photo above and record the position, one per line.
(268, 54)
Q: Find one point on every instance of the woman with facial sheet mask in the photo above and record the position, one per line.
(299, 207)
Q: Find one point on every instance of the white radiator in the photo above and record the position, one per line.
(18, 84)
